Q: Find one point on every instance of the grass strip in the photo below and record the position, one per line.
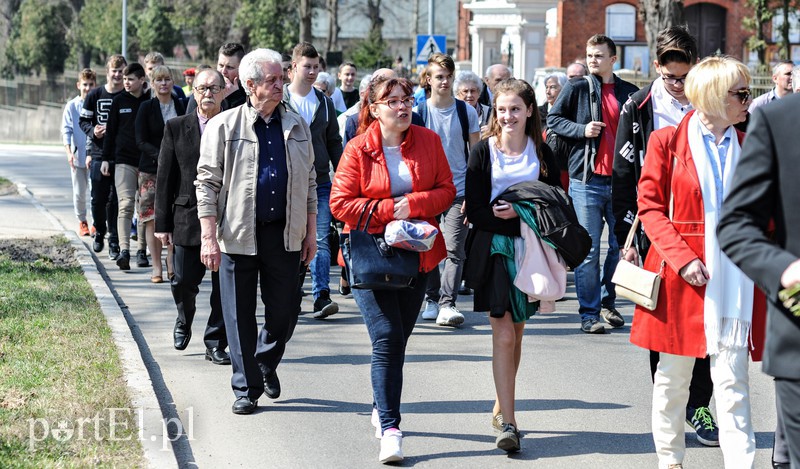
(63, 399)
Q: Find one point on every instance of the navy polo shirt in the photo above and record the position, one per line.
(273, 175)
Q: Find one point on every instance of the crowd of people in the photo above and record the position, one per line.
(249, 169)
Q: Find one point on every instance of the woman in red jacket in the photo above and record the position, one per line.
(404, 167)
(705, 305)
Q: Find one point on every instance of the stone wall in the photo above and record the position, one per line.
(40, 124)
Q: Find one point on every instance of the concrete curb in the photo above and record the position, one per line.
(155, 424)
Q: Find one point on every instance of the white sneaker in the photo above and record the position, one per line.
(449, 316)
(376, 422)
(391, 446)
(431, 310)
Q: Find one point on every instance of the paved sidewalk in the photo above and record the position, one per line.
(582, 401)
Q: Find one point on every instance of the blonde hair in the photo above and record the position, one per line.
(708, 83)
(161, 71)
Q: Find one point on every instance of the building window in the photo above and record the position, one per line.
(794, 26)
(621, 22)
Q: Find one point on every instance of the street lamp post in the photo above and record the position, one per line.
(124, 27)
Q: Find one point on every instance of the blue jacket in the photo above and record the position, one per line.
(570, 114)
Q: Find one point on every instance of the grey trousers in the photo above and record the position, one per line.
(444, 289)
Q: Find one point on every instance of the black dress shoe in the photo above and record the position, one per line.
(99, 243)
(244, 405)
(272, 385)
(218, 356)
(182, 336)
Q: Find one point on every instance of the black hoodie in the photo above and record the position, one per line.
(120, 146)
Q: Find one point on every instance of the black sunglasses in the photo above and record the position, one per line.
(744, 95)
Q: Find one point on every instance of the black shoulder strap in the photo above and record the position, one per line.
(422, 110)
(461, 110)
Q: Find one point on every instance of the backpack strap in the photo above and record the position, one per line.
(422, 110)
(463, 118)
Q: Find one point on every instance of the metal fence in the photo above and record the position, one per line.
(31, 92)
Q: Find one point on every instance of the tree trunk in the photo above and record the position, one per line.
(305, 21)
(658, 15)
(375, 20)
(333, 25)
(784, 47)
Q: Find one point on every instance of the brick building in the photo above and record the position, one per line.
(717, 24)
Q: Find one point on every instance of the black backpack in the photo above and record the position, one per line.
(463, 119)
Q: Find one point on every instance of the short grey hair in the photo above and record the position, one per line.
(467, 76)
(219, 77)
(250, 68)
(777, 67)
(560, 77)
(362, 87)
(328, 79)
(490, 67)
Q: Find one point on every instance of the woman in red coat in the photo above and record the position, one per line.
(404, 167)
(705, 306)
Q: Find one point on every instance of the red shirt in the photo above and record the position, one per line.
(604, 162)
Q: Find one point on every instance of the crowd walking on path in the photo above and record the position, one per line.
(261, 170)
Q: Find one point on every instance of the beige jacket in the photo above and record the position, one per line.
(227, 174)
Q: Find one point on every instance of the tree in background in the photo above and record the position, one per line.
(788, 9)
(99, 28)
(268, 23)
(37, 40)
(371, 52)
(756, 24)
(156, 32)
(210, 24)
(306, 14)
(658, 15)
(332, 42)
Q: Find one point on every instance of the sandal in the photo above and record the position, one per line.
(156, 279)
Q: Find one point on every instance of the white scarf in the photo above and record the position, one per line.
(728, 302)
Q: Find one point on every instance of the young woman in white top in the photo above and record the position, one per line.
(513, 153)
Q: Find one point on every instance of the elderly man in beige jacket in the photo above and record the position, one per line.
(257, 204)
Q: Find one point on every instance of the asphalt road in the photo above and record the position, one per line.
(582, 401)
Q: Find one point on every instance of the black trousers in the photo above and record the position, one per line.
(701, 388)
(788, 393)
(275, 270)
(104, 203)
(189, 273)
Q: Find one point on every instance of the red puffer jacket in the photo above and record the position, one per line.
(362, 175)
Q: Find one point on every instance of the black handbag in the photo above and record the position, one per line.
(374, 265)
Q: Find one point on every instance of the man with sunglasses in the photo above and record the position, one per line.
(661, 104)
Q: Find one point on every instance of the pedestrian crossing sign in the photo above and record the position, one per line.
(427, 45)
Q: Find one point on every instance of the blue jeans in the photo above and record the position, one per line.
(592, 202)
(321, 264)
(390, 316)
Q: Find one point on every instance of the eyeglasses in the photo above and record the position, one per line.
(674, 80)
(202, 89)
(395, 103)
(744, 95)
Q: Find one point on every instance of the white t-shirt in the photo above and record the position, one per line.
(338, 101)
(399, 174)
(444, 121)
(306, 105)
(510, 170)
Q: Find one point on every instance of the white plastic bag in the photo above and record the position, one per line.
(411, 235)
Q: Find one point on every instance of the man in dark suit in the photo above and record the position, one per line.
(176, 215)
(765, 190)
